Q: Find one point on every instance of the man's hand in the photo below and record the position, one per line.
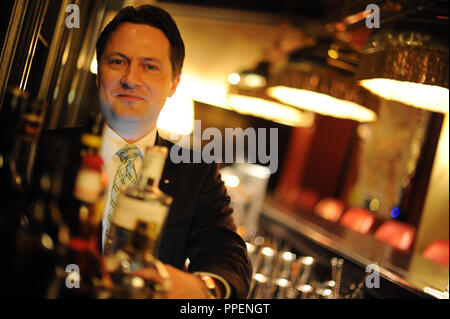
(184, 285)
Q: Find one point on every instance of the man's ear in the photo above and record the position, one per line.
(175, 83)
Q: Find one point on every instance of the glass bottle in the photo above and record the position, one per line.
(144, 201)
(12, 193)
(136, 255)
(27, 222)
(39, 232)
(81, 272)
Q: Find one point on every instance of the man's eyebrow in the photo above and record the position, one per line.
(119, 54)
(152, 60)
(147, 59)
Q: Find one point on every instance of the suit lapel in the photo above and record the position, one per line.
(167, 178)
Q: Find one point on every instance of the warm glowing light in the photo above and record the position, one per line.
(47, 241)
(282, 282)
(307, 260)
(267, 251)
(333, 54)
(177, 116)
(374, 204)
(269, 110)
(234, 78)
(260, 278)
(288, 256)
(93, 67)
(356, 17)
(231, 180)
(305, 288)
(322, 103)
(255, 170)
(428, 97)
(254, 80)
(327, 292)
(137, 282)
(250, 248)
(204, 90)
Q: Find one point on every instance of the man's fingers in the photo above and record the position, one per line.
(148, 273)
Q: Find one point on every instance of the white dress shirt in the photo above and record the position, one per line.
(111, 143)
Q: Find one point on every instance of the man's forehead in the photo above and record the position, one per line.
(138, 32)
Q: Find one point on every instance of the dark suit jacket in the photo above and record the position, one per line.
(200, 225)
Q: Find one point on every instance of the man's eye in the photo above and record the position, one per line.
(116, 62)
(151, 67)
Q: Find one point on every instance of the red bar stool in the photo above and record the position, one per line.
(359, 219)
(397, 234)
(437, 251)
(329, 208)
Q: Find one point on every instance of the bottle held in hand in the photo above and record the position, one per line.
(136, 255)
(144, 201)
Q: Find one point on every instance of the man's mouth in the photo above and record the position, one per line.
(130, 97)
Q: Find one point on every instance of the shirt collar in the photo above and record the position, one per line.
(112, 142)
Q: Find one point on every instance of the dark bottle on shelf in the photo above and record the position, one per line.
(80, 272)
(11, 190)
(41, 232)
(23, 214)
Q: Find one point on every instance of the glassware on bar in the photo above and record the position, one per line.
(280, 288)
(260, 287)
(252, 254)
(284, 265)
(324, 293)
(305, 266)
(266, 260)
(336, 275)
(303, 292)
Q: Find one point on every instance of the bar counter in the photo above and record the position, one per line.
(402, 275)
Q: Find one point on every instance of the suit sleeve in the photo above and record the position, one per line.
(214, 246)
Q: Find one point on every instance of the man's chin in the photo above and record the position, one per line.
(126, 116)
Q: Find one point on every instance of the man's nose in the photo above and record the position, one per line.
(131, 77)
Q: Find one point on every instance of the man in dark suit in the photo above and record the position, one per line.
(140, 54)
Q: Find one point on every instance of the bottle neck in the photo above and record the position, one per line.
(152, 169)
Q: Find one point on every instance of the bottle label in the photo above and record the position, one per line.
(129, 210)
(88, 186)
(153, 164)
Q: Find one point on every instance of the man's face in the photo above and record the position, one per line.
(135, 75)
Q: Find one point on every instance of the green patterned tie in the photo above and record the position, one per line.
(125, 175)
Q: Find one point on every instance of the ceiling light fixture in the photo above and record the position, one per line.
(321, 79)
(407, 66)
